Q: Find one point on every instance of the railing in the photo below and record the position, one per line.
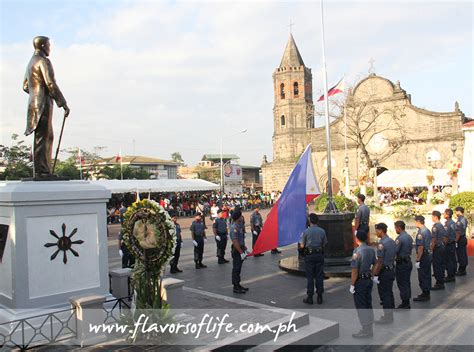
(39, 330)
(115, 308)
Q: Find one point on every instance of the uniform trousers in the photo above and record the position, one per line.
(424, 273)
(403, 274)
(363, 302)
(385, 288)
(257, 229)
(450, 259)
(461, 253)
(199, 249)
(236, 266)
(221, 245)
(314, 265)
(177, 253)
(438, 263)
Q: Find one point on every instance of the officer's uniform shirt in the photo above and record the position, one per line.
(438, 232)
(387, 250)
(221, 226)
(256, 219)
(237, 233)
(363, 214)
(197, 227)
(363, 258)
(314, 237)
(461, 225)
(241, 225)
(179, 239)
(423, 238)
(404, 244)
(450, 228)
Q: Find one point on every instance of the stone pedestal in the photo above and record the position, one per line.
(56, 245)
(338, 252)
(120, 282)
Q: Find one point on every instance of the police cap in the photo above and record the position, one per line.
(236, 215)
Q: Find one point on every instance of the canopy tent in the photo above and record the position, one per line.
(164, 185)
(412, 178)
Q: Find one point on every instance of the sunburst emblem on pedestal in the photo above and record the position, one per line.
(64, 243)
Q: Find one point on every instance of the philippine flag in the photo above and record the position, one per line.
(287, 219)
(338, 88)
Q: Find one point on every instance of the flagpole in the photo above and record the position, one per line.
(331, 206)
(80, 162)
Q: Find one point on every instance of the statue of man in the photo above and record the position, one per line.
(40, 84)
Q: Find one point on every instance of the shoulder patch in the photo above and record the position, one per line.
(397, 241)
(380, 246)
(435, 229)
(419, 236)
(355, 256)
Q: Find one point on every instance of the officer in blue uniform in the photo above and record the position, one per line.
(220, 232)
(256, 224)
(238, 249)
(177, 250)
(438, 242)
(423, 258)
(363, 259)
(363, 215)
(312, 241)
(198, 234)
(403, 268)
(384, 272)
(461, 241)
(450, 259)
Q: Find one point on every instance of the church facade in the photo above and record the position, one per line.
(375, 125)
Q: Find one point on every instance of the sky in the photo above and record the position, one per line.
(155, 77)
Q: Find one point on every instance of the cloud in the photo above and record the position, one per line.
(175, 76)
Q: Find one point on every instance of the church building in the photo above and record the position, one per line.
(384, 129)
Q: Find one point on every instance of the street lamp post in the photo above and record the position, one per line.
(346, 177)
(222, 188)
(454, 177)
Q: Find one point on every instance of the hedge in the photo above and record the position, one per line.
(463, 199)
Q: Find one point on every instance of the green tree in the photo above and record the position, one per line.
(209, 174)
(17, 160)
(176, 157)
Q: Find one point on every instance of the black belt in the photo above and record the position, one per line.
(387, 267)
(313, 250)
(439, 245)
(404, 259)
(426, 251)
(365, 276)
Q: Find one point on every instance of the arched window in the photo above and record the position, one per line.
(295, 89)
(282, 91)
(282, 120)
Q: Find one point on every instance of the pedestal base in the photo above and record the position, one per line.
(295, 265)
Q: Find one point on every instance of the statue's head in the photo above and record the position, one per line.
(42, 43)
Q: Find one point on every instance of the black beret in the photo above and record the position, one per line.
(361, 235)
(236, 215)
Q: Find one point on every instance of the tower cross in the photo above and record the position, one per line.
(371, 67)
(291, 26)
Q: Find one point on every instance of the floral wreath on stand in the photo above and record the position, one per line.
(429, 175)
(454, 166)
(149, 234)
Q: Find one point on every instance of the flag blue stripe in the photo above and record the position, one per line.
(292, 204)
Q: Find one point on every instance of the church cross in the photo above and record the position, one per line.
(291, 26)
(371, 67)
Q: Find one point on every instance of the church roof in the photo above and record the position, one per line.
(291, 56)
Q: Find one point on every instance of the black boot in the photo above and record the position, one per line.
(237, 289)
(319, 299)
(449, 279)
(173, 270)
(308, 300)
(202, 265)
(197, 266)
(425, 296)
(437, 287)
(243, 288)
(405, 304)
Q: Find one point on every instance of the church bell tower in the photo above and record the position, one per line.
(293, 111)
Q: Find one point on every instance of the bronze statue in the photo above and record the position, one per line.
(40, 84)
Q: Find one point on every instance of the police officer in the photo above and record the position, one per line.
(313, 240)
(363, 215)
(220, 232)
(438, 241)
(363, 259)
(128, 260)
(423, 258)
(238, 249)
(256, 224)
(403, 268)
(177, 250)
(450, 252)
(461, 241)
(198, 234)
(384, 272)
